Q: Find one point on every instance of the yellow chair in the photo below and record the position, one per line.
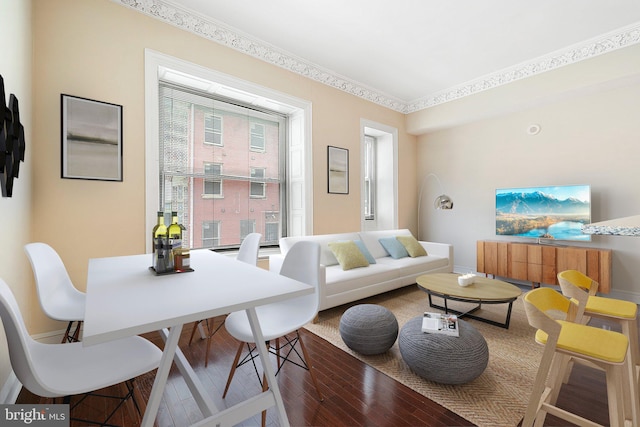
(619, 311)
(565, 340)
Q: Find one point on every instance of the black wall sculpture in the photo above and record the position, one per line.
(12, 143)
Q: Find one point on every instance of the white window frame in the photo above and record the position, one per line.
(300, 159)
(386, 175)
(263, 194)
(215, 240)
(206, 195)
(369, 180)
(259, 148)
(213, 130)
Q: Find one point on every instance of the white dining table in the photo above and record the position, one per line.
(126, 298)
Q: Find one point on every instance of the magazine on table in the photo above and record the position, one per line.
(439, 323)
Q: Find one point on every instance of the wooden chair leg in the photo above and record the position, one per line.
(615, 395)
(193, 331)
(76, 333)
(265, 386)
(630, 391)
(233, 369)
(141, 401)
(539, 387)
(210, 333)
(131, 404)
(206, 352)
(310, 366)
(65, 338)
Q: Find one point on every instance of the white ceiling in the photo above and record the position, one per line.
(411, 54)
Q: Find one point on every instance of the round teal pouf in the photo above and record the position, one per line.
(444, 359)
(368, 329)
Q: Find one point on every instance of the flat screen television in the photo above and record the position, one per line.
(553, 212)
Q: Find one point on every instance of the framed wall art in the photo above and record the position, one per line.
(91, 139)
(338, 170)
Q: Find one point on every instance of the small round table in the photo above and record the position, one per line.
(441, 358)
(482, 291)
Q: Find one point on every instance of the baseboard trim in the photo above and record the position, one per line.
(10, 389)
(52, 337)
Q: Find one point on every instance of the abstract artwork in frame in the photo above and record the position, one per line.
(338, 170)
(91, 139)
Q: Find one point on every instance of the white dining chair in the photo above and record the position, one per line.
(282, 320)
(64, 370)
(248, 253)
(59, 298)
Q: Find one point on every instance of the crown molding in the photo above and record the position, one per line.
(623, 37)
(215, 31)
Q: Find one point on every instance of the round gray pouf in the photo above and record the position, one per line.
(368, 329)
(441, 358)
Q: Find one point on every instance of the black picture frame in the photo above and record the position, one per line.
(337, 170)
(91, 139)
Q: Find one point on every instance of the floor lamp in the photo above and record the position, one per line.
(442, 201)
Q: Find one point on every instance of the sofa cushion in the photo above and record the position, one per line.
(414, 266)
(340, 281)
(348, 255)
(370, 239)
(365, 251)
(326, 256)
(413, 247)
(393, 247)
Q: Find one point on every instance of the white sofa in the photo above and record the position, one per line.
(338, 286)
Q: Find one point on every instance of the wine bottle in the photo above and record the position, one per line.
(175, 237)
(159, 236)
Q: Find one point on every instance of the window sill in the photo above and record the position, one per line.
(263, 253)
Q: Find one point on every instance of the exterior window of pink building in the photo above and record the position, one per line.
(220, 168)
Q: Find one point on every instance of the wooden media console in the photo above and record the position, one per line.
(538, 263)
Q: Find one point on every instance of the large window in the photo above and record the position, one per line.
(208, 145)
(180, 123)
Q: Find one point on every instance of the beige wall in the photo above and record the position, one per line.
(15, 67)
(95, 49)
(590, 135)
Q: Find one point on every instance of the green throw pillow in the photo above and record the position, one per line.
(413, 247)
(348, 255)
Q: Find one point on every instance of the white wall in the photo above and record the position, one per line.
(15, 67)
(589, 136)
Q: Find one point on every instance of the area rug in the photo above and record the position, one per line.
(498, 397)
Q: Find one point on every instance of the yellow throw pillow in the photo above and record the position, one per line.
(348, 255)
(412, 246)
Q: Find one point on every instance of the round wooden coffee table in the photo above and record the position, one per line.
(482, 291)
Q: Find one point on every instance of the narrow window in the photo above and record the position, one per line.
(257, 139)
(369, 177)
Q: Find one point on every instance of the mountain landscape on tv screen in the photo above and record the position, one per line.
(541, 215)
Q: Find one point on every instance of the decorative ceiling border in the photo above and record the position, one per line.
(213, 30)
(623, 37)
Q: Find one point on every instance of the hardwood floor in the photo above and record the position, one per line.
(354, 393)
